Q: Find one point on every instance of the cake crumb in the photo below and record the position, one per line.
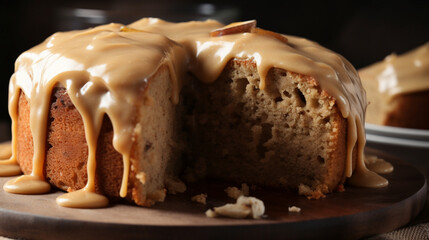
(304, 190)
(141, 176)
(174, 185)
(235, 193)
(245, 207)
(211, 213)
(312, 194)
(294, 209)
(245, 189)
(200, 198)
(157, 195)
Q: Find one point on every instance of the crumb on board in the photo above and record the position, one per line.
(245, 207)
(174, 185)
(200, 198)
(235, 193)
(294, 209)
(312, 193)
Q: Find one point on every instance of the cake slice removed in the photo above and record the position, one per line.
(289, 135)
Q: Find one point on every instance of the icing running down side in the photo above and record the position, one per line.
(103, 70)
(209, 55)
(7, 168)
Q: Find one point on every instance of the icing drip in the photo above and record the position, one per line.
(5, 150)
(35, 182)
(334, 74)
(90, 65)
(7, 167)
(104, 69)
(378, 165)
(7, 170)
(10, 166)
(82, 198)
(27, 184)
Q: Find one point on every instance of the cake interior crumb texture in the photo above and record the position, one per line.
(289, 134)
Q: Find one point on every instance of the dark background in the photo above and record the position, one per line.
(362, 31)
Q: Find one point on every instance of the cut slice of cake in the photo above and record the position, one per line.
(397, 89)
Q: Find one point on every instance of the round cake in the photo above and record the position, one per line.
(121, 111)
(398, 89)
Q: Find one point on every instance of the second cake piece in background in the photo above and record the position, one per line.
(398, 89)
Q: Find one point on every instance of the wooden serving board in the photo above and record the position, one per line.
(355, 213)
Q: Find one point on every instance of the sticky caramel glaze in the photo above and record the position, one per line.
(103, 70)
(7, 168)
(378, 165)
(5, 150)
(401, 74)
(334, 74)
(396, 87)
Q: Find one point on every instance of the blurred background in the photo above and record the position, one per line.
(362, 31)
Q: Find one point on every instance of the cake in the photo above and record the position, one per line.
(121, 111)
(397, 88)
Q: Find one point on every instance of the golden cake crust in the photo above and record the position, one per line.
(67, 151)
(65, 165)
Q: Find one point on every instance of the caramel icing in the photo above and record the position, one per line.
(401, 74)
(5, 150)
(82, 199)
(27, 184)
(7, 170)
(377, 164)
(103, 70)
(335, 75)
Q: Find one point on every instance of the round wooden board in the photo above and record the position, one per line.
(355, 213)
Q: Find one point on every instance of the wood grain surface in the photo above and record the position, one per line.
(352, 214)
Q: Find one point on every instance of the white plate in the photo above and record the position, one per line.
(397, 132)
(403, 142)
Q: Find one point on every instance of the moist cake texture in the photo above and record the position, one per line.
(119, 111)
(263, 134)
